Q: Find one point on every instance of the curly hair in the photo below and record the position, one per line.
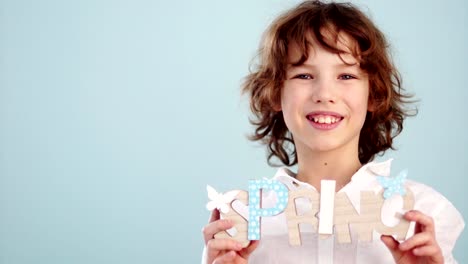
(264, 83)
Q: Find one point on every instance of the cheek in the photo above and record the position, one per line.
(359, 102)
(293, 94)
(291, 106)
(286, 98)
(364, 106)
(290, 103)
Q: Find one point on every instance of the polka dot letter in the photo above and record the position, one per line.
(255, 211)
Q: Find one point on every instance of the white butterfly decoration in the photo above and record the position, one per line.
(218, 200)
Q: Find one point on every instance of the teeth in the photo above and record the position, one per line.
(325, 119)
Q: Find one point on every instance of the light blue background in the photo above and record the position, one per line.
(114, 115)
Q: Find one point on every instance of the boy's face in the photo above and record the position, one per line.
(325, 100)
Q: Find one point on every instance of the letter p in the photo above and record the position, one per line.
(255, 210)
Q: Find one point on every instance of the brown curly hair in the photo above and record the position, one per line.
(264, 83)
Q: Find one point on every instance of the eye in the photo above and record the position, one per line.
(303, 76)
(346, 77)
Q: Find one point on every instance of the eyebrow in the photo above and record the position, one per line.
(313, 66)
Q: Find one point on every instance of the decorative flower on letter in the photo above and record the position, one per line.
(393, 185)
(218, 200)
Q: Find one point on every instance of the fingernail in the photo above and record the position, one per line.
(238, 246)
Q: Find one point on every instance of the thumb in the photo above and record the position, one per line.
(392, 245)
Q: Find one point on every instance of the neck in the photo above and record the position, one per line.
(332, 165)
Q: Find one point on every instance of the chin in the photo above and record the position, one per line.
(323, 147)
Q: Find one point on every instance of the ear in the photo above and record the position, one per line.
(277, 107)
(276, 104)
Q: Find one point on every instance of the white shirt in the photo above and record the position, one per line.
(274, 244)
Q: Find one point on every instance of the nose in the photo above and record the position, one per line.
(323, 92)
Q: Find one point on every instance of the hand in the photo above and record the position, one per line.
(420, 248)
(224, 250)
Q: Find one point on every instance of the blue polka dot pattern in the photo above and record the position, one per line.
(393, 185)
(255, 212)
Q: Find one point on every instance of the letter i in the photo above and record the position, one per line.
(327, 206)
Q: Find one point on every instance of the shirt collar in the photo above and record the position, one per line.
(363, 179)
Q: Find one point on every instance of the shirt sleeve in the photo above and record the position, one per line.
(448, 221)
(449, 224)
(204, 259)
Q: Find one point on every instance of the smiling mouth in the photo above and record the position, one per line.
(324, 119)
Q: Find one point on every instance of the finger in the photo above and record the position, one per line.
(423, 221)
(245, 253)
(430, 250)
(226, 258)
(214, 227)
(417, 240)
(220, 244)
(214, 215)
(392, 244)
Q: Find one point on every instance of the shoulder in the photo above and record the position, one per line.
(448, 221)
(430, 201)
